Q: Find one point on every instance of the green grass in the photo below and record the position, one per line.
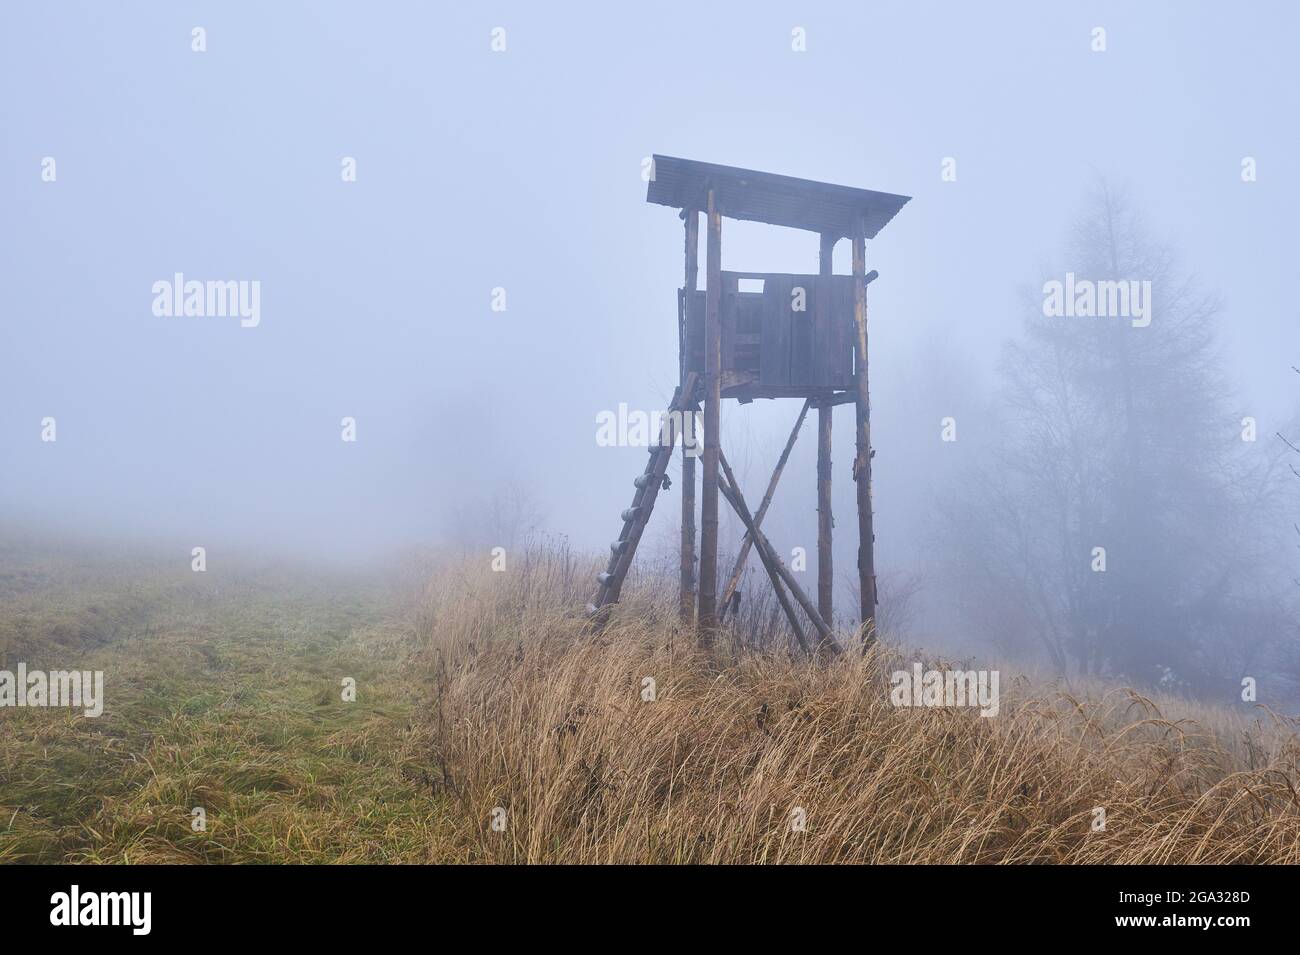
(222, 692)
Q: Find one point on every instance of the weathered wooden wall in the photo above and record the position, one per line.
(770, 350)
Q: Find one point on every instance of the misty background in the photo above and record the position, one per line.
(522, 170)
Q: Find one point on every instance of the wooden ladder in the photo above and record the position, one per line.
(647, 484)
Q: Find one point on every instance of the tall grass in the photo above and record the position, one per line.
(224, 694)
(536, 716)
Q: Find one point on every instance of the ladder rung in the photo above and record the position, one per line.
(648, 484)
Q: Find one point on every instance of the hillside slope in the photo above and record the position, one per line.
(490, 725)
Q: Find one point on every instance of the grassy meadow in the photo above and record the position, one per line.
(490, 725)
(223, 692)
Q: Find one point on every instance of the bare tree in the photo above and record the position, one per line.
(1117, 520)
(508, 516)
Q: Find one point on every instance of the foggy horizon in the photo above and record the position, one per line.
(526, 186)
(773, 433)
(376, 293)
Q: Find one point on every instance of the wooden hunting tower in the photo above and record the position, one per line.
(750, 335)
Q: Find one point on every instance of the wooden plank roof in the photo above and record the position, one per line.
(766, 197)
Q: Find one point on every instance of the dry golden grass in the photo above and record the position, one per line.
(223, 693)
(535, 715)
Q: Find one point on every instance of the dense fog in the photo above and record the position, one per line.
(426, 231)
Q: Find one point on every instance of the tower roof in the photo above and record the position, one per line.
(766, 197)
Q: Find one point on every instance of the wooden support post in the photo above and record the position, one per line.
(770, 558)
(862, 460)
(734, 581)
(825, 413)
(708, 588)
(687, 605)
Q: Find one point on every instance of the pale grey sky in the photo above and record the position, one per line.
(522, 169)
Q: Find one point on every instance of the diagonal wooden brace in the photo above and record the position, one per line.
(745, 544)
(728, 491)
(772, 563)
